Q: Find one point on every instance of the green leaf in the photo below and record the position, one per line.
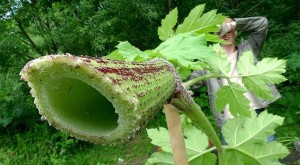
(115, 55)
(191, 22)
(256, 77)
(183, 72)
(208, 158)
(160, 158)
(196, 143)
(186, 50)
(196, 22)
(195, 140)
(256, 154)
(246, 138)
(214, 38)
(165, 31)
(160, 137)
(233, 94)
(217, 62)
(255, 129)
(128, 52)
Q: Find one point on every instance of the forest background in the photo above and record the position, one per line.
(33, 28)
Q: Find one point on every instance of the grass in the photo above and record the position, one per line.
(40, 143)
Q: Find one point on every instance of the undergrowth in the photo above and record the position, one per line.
(40, 143)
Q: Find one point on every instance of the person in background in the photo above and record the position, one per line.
(257, 28)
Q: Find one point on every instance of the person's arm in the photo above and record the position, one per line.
(258, 28)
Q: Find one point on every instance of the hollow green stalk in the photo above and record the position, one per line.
(98, 100)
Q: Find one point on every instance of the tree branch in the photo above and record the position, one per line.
(33, 45)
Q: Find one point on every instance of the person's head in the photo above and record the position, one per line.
(229, 36)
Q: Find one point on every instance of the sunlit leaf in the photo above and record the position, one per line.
(233, 94)
(191, 22)
(160, 137)
(185, 50)
(256, 77)
(115, 55)
(196, 22)
(165, 31)
(217, 62)
(246, 138)
(128, 52)
(255, 129)
(214, 38)
(195, 141)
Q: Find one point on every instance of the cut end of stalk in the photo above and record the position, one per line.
(98, 100)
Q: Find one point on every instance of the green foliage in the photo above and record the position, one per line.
(196, 22)
(15, 102)
(166, 30)
(191, 21)
(40, 143)
(233, 94)
(129, 52)
(246, 138)
(254, 77)
(240, 131)
(293, 66)
(182, 48)
(267, 71)
(195, 141)
(289, 105)
(217, 63)
(81, 27)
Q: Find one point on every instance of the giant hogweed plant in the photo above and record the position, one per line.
(107, 100)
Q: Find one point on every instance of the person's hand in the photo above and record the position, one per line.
(225, 28)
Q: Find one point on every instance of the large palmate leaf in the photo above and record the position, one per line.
(256, 77)
(165, 31)
(233, 94)
(195, 141)
(255, 129)
(185, 50)
(256, 154)
(246, 138)
(199, 23)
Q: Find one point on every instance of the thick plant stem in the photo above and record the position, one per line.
(185, 103)
(194, 112)
(176, 135)
(98, 100)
